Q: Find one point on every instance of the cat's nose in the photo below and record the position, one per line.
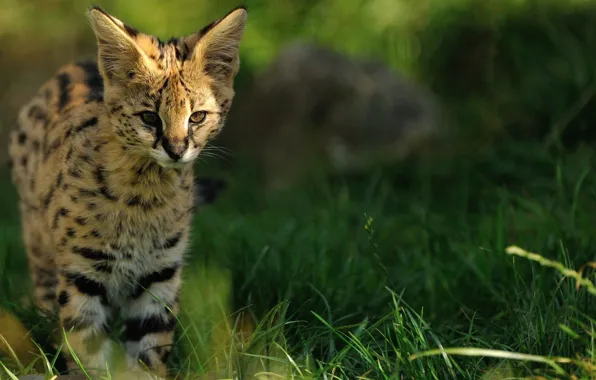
(175, 147)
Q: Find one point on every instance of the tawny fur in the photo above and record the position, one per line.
(107, 199)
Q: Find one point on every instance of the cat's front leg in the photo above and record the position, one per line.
(150, 318)
(84, 315)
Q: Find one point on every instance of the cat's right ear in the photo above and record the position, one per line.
(119, 55)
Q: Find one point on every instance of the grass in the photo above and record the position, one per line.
(408, 271)
(363, 277)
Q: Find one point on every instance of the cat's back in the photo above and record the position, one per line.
(64, 107)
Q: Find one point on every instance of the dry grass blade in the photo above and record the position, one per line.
(514, 250)
(590, 264)
(551, 361)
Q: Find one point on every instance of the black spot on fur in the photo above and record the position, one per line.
(86, 285)
(75, 172)
(63, 298)
(172, 241)
(93, 254)
(137, 328)
(107, 194)
(62, 212)
(160, 91)
(93, 80)
(85, 158)
(98, 173)
(147, 280)
(63, 85)
(134, 201)
(86, 124)
(37, 113)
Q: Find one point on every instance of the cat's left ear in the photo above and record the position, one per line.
(216, 47)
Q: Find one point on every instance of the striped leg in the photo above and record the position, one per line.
(84, 315)
(42, 265)
(43, 274)
(150, 319)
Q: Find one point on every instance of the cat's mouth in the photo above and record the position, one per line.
(165, 161)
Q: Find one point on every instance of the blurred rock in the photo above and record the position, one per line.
(315, 106)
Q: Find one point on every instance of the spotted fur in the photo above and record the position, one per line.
(106, 198)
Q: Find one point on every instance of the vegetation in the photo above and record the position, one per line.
(403, 271)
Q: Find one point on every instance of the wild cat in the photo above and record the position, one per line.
(102, 160)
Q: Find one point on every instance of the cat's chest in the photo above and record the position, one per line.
(137, 245)
(142, 238)
(130, 259)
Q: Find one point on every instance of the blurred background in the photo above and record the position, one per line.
(375, 145)
(354, 82)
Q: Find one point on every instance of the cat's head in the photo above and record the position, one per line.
(167, 99)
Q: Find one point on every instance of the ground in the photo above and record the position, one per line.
(351, 276)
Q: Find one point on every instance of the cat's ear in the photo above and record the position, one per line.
(216, 47)
(119, 55)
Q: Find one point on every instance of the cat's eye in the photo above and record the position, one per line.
(150, 118)
(198, 117)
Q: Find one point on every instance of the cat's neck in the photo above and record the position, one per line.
(134, 171)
